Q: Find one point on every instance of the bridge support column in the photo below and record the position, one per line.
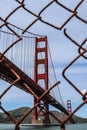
(41, 76)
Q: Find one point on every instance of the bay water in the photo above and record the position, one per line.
(67, 127)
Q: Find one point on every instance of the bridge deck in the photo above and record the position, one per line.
(6, 67)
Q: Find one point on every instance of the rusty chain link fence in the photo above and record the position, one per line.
(73, 13)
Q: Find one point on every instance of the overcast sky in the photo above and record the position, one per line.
(63, 51)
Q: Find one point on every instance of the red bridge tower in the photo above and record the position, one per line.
(41, 63)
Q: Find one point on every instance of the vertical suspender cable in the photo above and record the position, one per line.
(12, 50)
(55, 76)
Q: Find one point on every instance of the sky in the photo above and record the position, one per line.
(63, 51)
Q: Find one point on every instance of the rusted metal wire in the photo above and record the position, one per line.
(9, 115)
(39, 17)
(80, 47)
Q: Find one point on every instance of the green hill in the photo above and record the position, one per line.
(17, 113)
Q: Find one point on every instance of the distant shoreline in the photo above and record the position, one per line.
(19, 112)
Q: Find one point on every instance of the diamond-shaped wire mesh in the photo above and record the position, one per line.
(53, 13)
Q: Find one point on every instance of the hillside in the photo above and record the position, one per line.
(17, 113)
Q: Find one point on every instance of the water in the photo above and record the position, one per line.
(68, 127)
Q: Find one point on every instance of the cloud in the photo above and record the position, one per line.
(84, 91)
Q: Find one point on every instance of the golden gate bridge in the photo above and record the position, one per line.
(25, 64)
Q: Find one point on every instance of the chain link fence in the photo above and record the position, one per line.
(41, 14)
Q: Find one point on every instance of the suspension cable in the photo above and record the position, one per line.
(55, 74)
